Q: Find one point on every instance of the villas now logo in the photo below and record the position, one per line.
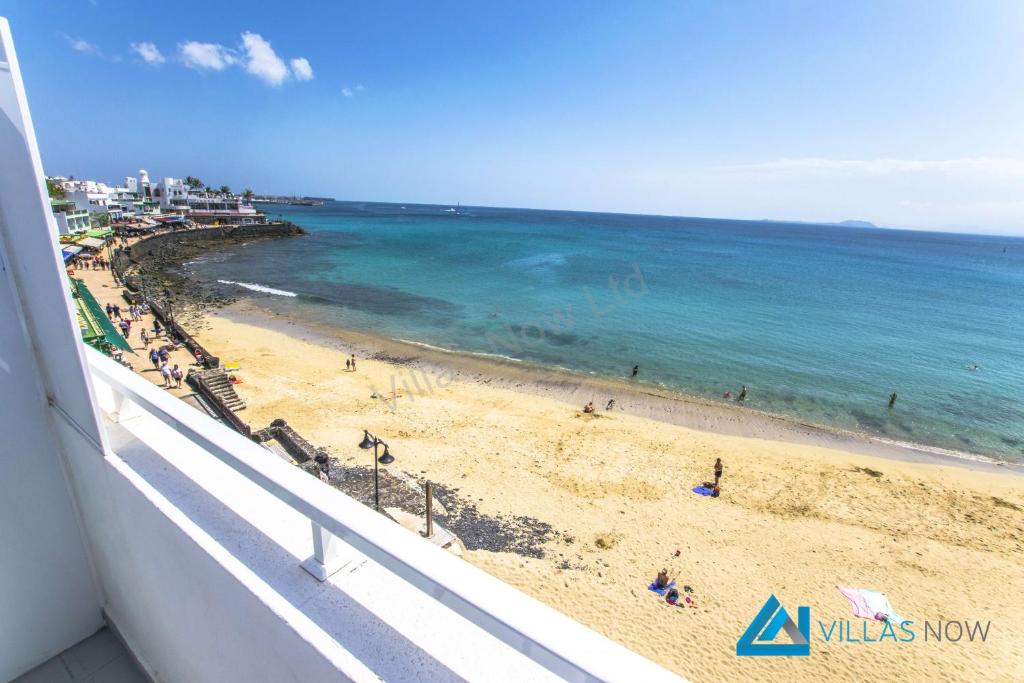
(757, 640)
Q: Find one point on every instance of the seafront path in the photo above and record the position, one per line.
(106, 290)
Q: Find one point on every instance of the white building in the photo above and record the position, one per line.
(172, 193)
(70, 219)
(176, 547)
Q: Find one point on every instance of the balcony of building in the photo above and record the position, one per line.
(143, 540)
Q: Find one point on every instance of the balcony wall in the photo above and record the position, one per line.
(48, 598)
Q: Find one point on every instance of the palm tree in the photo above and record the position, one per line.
(247, 194)
(193, 182)
(208, 189)
(225, 190)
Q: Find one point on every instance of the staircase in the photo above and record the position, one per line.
(219, 386)
(213, 385)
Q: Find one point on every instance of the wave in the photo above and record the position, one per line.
(258, 288)
(468, 353)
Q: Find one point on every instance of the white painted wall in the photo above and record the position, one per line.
(48, 599)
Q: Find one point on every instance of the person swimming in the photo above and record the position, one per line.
(892, 399)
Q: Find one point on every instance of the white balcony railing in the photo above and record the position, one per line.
(559, 644)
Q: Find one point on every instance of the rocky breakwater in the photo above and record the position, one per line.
(154, 264)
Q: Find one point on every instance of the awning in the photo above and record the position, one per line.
(92, 319)
(92, 243)
(69, 253)
(99, 233)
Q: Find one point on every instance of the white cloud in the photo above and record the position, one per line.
(149, 52)
(196, 55)
(301, 68)
(81, 45)
(360, 87)
(262, 61)
(254, 54)
(978, 166)
(347, 91)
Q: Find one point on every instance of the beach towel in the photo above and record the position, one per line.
(653, 587)
(869, 604)
(702, 490)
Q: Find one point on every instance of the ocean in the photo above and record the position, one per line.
(821, 323)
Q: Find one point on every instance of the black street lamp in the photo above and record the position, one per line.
(370, 441)
(170, 308)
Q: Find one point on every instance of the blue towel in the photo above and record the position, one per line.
(660, 591)
(702, 490)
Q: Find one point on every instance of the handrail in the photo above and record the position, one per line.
(563, 646)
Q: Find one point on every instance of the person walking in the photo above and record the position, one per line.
(154, 358)
(743, 393)
(176, 375)
(165, 371)
(124, 328)
(348, 365)
(636, 370)
(353, 362)
(117, 311)
(145, 338)
(718, 471)
(110, 312)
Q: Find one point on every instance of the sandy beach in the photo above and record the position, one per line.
(795, 519)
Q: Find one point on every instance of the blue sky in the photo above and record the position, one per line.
(905, 113)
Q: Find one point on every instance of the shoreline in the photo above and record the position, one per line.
(417, 362)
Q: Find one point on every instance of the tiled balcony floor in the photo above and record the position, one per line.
(100, 658)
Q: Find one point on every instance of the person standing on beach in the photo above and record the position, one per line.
(718, 470)
(892, 399)
(145, 338)
(348, 365)
(353, 362)
(636, 369)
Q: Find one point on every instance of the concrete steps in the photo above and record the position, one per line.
(224, 390)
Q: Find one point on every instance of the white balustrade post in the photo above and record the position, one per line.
(326, 558)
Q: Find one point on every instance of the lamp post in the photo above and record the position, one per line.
(170, 308)
(371, 441)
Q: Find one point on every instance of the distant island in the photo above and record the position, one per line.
(855, 224)
(840, 224)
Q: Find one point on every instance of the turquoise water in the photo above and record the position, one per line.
(821, 323)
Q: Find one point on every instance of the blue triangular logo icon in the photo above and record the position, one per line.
(757, 640)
